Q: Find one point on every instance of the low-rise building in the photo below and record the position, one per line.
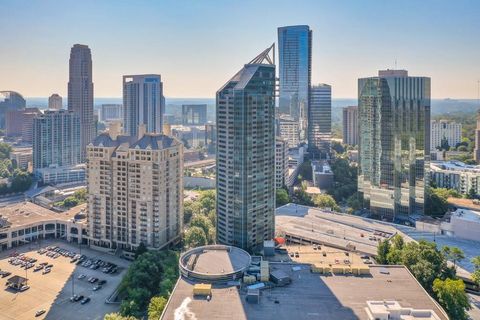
(322, 174)
(296, 157)
(455, 175)
(22, 157)
(66, 174)
(27, 222)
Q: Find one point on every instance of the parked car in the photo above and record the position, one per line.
(78, 298)
(39, 313)
(47, 270)
(81, 276)
(97, 287)
(102, 282)
(86, 300)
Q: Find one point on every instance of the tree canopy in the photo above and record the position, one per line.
(451, 295)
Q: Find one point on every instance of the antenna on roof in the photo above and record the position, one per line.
(266, 57)
(395, 63)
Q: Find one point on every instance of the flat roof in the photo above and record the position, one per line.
(464, 203)
(331, 228)
(27, 213)
(309, 296)
(216, 259)
(467, 215)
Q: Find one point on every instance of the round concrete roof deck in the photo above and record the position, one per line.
(214, 263)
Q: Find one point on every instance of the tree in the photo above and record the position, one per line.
(325, 201)
(21, 181)
(195, 237)
(81, 195)
(472, 194)
(5, 150)
(383, 250)
(452, 297)
(117, 316)
(437, 204)
(282, 197)
(354, 201)
(141, 249)
(476, 272)
(453, 254)
(338, 147)
(70, 201)
(444, 144)
(156, 306)
(204, 223)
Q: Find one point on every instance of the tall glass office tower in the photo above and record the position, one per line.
(143, 103)
(80, 93)
(320, 121)
(295, 64)
(394, 121)
(246, 155)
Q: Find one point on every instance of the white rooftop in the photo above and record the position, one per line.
(468, 215)
(392, 310)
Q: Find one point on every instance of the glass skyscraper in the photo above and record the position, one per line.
(295, 64)
(246, 155)
(80, 93)
(320, 121)
(143, 103)
(394, 123)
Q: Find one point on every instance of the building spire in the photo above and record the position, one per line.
(266, 57)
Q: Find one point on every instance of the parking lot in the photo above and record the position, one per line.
(51, 291)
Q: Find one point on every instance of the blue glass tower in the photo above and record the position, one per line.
(295, 64)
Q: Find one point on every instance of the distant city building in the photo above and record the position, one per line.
(194, 114)
(444, 130)
(80, 93)
(191, 136)
(394, 112)
(296, 156)
(320, 121)
(476, 152)
(56, 139)
(350, 125)
(211, 138)
(288, 129)
(111, 112)
(143, 103)
(295, 65)
(281, 162)
(135, 190)
(322, 175)
(10, 100)
(20, 123)
(246, 155)
(55, 102)
(455, 175)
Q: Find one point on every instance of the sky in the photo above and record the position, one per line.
(197, 45)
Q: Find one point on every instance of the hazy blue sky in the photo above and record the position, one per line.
(197, 45)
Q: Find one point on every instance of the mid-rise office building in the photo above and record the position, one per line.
(322, 175)
(111, 112)
(394, 112)
(135, 190)
(295, 65)
(143, 103)
(444, 131)
(281, 162)
(9, 101)
(80, 93)
(350, 125)
(246, 155)
(287, 129)
(55, 102)
(194, 114)
(22, 157)
(320, 121)
(56, 139)
(20, 123)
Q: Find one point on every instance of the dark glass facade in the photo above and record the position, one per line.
(246, 157)
(320, 121)
(394, 124)
(295, 64)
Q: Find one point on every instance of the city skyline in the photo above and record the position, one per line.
(446, 52)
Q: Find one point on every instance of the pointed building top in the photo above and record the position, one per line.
(266, 57)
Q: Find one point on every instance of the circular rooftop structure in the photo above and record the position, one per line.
(214, 263)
